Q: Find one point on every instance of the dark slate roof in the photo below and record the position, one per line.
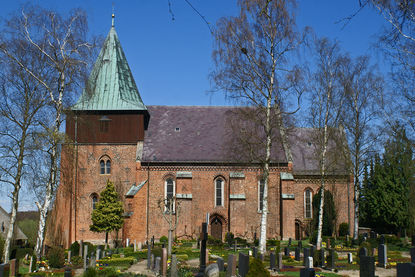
(304, 151)
(193, 134)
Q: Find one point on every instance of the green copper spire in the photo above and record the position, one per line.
(111, 85)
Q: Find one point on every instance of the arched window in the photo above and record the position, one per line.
(308, 203)
(169, 192)
(219, 192)
(105, 165)
(261, 186)
(94, 200)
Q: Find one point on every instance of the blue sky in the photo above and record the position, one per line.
(171, 59)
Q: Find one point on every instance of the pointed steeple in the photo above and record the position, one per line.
(110, 86)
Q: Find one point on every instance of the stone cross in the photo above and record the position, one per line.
(367, 266)
(173, 267)
(231, 269)
(382, 255)
(243, 264)
(221, 264)
(272, 259)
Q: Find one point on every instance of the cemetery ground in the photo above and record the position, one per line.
(341, 258)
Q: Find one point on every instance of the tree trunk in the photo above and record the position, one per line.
(10, 232)
(106, 240)
(170, 240)
(41, 227)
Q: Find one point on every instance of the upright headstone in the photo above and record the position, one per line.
(207, 257)
(148, 257)
(255, 252)
(69, 257)
(306, 254)
(412, 251)
(309, 262)
(152, 261)
(212, 270)
(362, 252)
(243, 264)
(98, 254)
(135, 245)
(307, 272)
(157, 265)
(297, 254)
(382, 239)
(367, 266)
(272, 260)
(382, 255)
(14, 267)
(139, 245)
(81, 248)
(204, 237)
(280, 265)
(221, 264)
(373, 235)
(332, 261)
(289, 242)
(234, 247)
(405, 270)
(312, 250)
(349, 258)
(322, 258)
(164, 262)
(286, 251)
(231, 269)
(173, 267)
(300, 244)
(92, 261)
(413, 240)
(68, 272)
(85, 256)
(127, 243)
(152, 242)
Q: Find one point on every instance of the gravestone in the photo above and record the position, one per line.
(231, 269)
(81, 248)
(212, 270)
(300, 244)
(307, 272)
(367, 266)
(14, 267)
(405, 270)
(289, 242)
(297, 254)
(98, 254)
(272, 257)
(234, 247)
(139, 245)
(332, 261)
(255, 251)
(173, 267)
(322, 258)
(135, 245)
(207, 257)
(312, 250)
(203, 250)
(382, 256)
(85, 256)
(3, 270)
(349, 258)
(280, 265)
(127, 242)
(69, 257)
(412, 251)
(382, 239)
(413, 240)
(306, 254)
(221, 264)
(68, 272)
(362, 252)
(157, 265)
(243, 264)
(104, 254)
(152, 242)
(374, 251)
(164, 262)
(286, 251)
(148, 257)
(373, 235)
(309, 262)
(92, 261)
(152, 261)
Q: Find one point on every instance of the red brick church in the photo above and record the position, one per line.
(156, 152)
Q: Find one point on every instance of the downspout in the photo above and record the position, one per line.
(76, 172)
(148, 200)
(229, 204)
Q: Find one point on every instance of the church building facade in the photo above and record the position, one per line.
(179, 153)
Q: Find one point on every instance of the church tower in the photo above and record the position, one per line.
(106, 132)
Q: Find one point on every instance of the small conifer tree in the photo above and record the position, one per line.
(108, 214)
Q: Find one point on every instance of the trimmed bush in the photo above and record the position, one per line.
(164, 240)
(122, 262)
(75, 249)
(90, 272)
(56, 257)
(257, 269)
(343, 229)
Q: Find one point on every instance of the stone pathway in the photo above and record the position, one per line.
(141, 268)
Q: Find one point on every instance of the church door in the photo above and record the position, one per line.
(216, 228)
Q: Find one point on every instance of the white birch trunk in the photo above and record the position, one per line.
(10, 232)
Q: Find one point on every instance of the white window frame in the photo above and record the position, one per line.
(259, 194)
(222, 181)
(305, 203)
(165, 194)
(94, 195)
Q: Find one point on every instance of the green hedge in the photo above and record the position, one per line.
(127, 261)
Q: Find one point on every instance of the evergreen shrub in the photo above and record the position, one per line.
(343, 229)
(257, 269)
(75, 249)
(56, 257)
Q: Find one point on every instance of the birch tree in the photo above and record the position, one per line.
(327, 100)
(22, 98)
(61, 42)
(252, 55)
(363, 89)
(170, 210)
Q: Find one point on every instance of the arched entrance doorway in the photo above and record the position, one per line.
(216, 228)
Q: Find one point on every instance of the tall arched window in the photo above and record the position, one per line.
(261, 186)
(308, 203)
(105, 165)
(169, 192)
(94, 200)
(219, 192)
